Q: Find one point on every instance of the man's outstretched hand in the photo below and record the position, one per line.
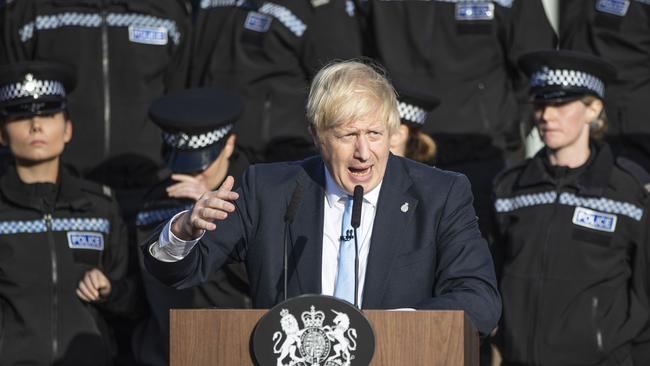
(211, 206)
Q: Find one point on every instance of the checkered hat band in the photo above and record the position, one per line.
(94, 20)
(146, 218)
(284, 16)
(503, 205)
(184, 141)
(411, 113)
(67, 224)
(567, 78)
(33, 88)
(504, 3)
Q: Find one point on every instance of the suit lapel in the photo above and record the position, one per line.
(390, 223)
(307, 232)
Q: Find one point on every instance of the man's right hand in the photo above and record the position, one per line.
(211, 206)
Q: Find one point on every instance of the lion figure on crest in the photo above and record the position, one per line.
(291, 343)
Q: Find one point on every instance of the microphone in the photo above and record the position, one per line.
(357, 202)
(289, 215)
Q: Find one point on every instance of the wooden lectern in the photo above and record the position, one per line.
(222, 337)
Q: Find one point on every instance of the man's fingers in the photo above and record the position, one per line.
(201, 224)
(227, 184)
(183, 178)
(219, 204)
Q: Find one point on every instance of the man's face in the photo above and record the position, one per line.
(37, 138)
(356, 153)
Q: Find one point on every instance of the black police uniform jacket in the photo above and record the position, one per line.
(572, 253)
(126, 53)
(468, 61)
(226, 288)
(50, 235)
(620, 34)
(273, 49)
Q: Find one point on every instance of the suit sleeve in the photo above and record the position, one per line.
(225, 244)
(465, 278)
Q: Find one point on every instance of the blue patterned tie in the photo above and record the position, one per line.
(345, 277)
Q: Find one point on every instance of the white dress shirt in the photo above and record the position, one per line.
(334, 206)
(169, 248)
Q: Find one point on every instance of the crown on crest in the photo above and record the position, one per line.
(313, 318)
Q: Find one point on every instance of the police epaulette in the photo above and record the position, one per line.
(635, 170)
(97, 189)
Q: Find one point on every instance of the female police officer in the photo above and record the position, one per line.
(572, 241)
(62, 244)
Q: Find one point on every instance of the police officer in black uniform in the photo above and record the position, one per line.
(464, 52)
(572, 239)
(619, 32)
(269, 51)
(127, 54)
(200, 151)
(62, 243)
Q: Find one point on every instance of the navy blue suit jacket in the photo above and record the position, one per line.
(430, 257)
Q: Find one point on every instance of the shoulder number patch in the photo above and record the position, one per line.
(257, 22)
(85, 240)
(594, 219)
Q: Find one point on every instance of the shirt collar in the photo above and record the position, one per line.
(333, 193)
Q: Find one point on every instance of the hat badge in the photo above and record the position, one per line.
(30, 85)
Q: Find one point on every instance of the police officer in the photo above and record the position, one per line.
(200, 151)
(619, 32)
(269, 51)
(409, 140)
(464, 52)
(571, 243)
(126, 53)
(62, 242)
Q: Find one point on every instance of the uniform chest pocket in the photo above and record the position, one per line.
(87, 247)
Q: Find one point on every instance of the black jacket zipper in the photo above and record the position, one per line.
(47, 218)
(534, 346)
(106, 82)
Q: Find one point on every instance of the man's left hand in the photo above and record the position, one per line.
(94, 286)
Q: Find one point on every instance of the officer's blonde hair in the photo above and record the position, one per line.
(348, 91)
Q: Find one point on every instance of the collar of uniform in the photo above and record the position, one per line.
(16, 191)
(333, 193)
(592, 181)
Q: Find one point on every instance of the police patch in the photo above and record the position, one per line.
(474, 11)
(615, 7)
(594, 220)
(85, 240)
(148, 35)
(257, 22)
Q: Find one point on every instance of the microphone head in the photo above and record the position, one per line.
(357, 201)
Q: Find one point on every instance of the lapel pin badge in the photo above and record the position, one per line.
(405, 207)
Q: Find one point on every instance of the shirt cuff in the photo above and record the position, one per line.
(170, 248)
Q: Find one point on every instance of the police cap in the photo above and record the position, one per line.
(414, 104)
(562, 75)
(195, 124)
(34, 88)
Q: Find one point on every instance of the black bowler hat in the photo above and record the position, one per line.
(414, 104)
(562, 75)
(195, 125)
(34, 87)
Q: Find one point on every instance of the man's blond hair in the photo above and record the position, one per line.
(348, 91)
